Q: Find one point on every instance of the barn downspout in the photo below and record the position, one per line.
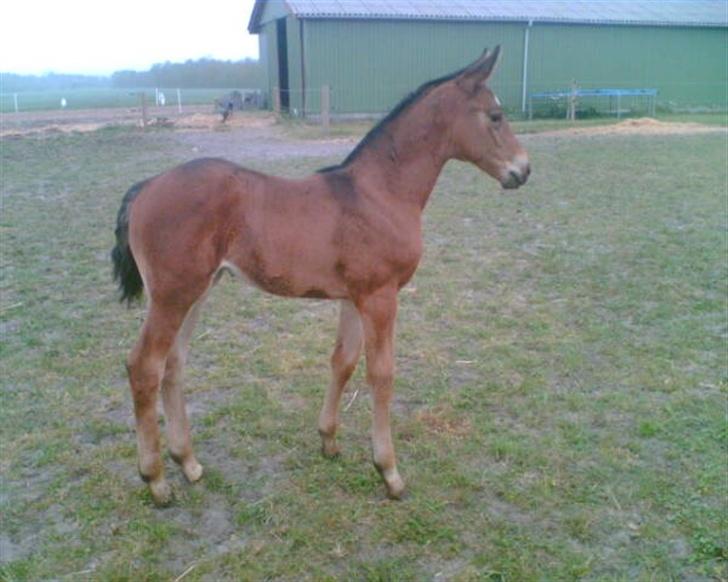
(524, 81)
(303, 69)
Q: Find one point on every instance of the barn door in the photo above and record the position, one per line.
(282, 39)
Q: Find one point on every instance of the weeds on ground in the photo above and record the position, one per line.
(560, 397)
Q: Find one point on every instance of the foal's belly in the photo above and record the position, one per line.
(290, 282)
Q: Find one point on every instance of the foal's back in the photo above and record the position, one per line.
(314, 237)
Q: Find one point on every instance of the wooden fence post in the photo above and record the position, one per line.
(143, 99)
(326, 107)
(276, 101)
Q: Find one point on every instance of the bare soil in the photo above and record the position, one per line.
(198, 132)
(639, 126)
(201, 118)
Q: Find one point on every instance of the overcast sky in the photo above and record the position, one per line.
(100, 36)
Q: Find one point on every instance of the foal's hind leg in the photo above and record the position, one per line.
(178, 426)
(146, 366)
(349, 340)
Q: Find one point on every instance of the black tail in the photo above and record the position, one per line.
(126, 272)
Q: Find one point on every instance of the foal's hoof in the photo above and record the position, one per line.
(192, 470)
(161, 492)
(394, 483)
(190, 467)
(330, 449)
(396, 490)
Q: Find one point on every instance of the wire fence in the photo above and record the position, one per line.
(339, 101)
(75, 99)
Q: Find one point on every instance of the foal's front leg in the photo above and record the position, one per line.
(378, 313)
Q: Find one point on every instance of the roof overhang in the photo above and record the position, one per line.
(695, 13)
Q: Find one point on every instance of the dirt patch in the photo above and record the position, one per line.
(211, 121)
(208, 530)
(444, 420)
(199, 117)
(267, 143)
(639, 126)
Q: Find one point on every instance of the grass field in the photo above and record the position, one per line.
(560, 398)
(102, 98)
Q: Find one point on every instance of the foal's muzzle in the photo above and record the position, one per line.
(516, 173)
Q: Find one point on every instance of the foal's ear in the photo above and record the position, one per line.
(478, 73)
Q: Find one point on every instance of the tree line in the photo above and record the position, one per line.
(202, 73)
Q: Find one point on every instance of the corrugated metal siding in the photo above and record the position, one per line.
(653, 12)
(371, 64)
(686, 65)
(295, 76)
(268, 31)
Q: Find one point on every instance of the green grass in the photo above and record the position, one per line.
(305, 130)
(101, 98)
(560, 396)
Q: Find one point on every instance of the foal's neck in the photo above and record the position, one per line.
(407, 156)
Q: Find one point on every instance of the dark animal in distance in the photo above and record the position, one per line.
(227, 104)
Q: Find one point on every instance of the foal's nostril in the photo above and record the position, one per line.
(516, 177)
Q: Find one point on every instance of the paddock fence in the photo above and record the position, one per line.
(171, 98)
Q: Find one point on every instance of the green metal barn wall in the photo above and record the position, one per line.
(270, 60)
(371, 65)
(295, 66)
(686, 65)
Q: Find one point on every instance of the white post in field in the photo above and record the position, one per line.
(179, 101)
(15, 101)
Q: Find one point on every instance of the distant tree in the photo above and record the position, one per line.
(201, 73)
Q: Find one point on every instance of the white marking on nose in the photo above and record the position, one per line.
(520, 161)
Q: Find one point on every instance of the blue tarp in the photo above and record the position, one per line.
(597, 93)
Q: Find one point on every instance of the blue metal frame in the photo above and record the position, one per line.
(610, 93)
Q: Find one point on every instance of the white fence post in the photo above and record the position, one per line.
(179, 101)
(15, 101)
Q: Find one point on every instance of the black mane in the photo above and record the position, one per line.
(391, 116)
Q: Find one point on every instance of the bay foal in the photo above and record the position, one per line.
(350, 232)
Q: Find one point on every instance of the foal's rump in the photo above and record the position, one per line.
(159, 223)
(176, 230)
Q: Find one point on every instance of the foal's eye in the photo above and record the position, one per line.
(496, 116)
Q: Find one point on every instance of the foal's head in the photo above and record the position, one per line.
(479, 131)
